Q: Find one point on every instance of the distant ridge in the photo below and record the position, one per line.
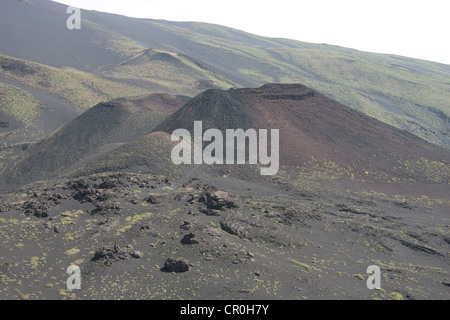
(407, 93)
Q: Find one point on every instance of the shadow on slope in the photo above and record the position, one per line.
(100, 129)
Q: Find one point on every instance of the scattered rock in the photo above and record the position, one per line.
(108, 225)
(233, 225)
(419, 248)
(155, 199)
(195, 184)
(213, 232)
(78, 184)
(216, 199)
(106, 207)
(177, 265)
(110, 183)
(186, 226)
(110, 255)
(137, 254)
(403, 204)
(189, 239)
(86, 195)
(185, 197)
(270, 214)
(344, 208)
(447, 239)
(36, 208)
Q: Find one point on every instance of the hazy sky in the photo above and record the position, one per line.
(412, 28)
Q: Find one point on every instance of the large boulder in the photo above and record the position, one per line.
(177, 265)
(108, 256)
(189, 239)
(217, 199)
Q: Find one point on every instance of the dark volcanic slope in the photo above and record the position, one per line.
(98, 130)
(149, 153)
(238, 240)
(316, 131)
(312, 125)
(44, 37)
(317, 135)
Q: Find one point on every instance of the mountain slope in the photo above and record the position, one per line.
(124, 227)
(100, 129)
(164, 71)
(35, 112)
(81, 89)
(37, 99)
(102, 192)
(317, 135)
(407, 93)
(44, 37)
(283, 241)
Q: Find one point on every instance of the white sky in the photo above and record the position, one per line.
(419, 29)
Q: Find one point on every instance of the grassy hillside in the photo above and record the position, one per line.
(18, 116)
(169, 72)
(409, 94)
(81, 89)
(19, 112)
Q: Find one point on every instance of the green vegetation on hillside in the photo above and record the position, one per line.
(81, 89)
(20, 108)
(170, 72)
(407, 93)
(112, 41)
